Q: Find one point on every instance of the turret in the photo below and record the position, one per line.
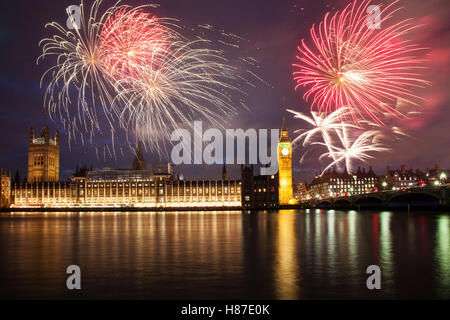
(284, 133)
(57, 137)
(43, 157)
(45, 133)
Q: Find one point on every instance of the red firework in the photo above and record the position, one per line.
(129, 40)
(352, 64)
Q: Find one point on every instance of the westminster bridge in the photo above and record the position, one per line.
(433, 197)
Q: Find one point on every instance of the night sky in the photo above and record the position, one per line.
(273, 29)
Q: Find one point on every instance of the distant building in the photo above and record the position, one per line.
(436, 176)
(301, 192)
(330, 183)
(409, 178)
(146, 185)
(136, 187)
(161, 168)
(43, 157)
(122, 188)
(5, 188)
(365, 182)
(402, 178)
(335, 184)
(258, 191)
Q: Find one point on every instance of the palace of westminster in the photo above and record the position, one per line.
(159, 187)
(139, 186)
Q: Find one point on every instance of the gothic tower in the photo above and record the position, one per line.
(285, 167)
(43, 157)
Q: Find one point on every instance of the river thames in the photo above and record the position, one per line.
(290, 254)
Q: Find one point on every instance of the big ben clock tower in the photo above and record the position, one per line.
(285, 167)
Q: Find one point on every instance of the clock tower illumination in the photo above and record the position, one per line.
(285, 167)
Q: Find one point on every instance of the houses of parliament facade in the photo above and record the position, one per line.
(140, 186)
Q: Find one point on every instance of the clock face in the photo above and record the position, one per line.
(285, 151)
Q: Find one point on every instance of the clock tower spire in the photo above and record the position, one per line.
(285, 167)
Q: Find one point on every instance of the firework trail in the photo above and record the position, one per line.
(147, 77)
(352, 65)
(359, 148)
(190, 81)
(129, 40)
(384, 133)
(365, 72)
(335, 134)
(321, 124)
(78, 73)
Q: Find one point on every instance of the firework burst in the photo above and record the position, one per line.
(78, 74)
(352, 65)
(345, 142)
(147, 77)
(360, 148)
(321, 123)
(188, 82)
(130, 39)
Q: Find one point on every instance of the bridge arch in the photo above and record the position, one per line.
(324, 203)
(369, 201)
(415, 198)
(342, 202)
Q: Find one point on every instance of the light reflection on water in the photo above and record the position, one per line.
(443, 252)
(286, 266)
(311, 254)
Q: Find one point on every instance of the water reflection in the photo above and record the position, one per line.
(287, 264)
(332, 250)
(386, 248)
(225, 255)
(352, 256)
(443, 254)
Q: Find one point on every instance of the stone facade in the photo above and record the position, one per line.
(128, 188)
(43, 157)
(5, 188)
